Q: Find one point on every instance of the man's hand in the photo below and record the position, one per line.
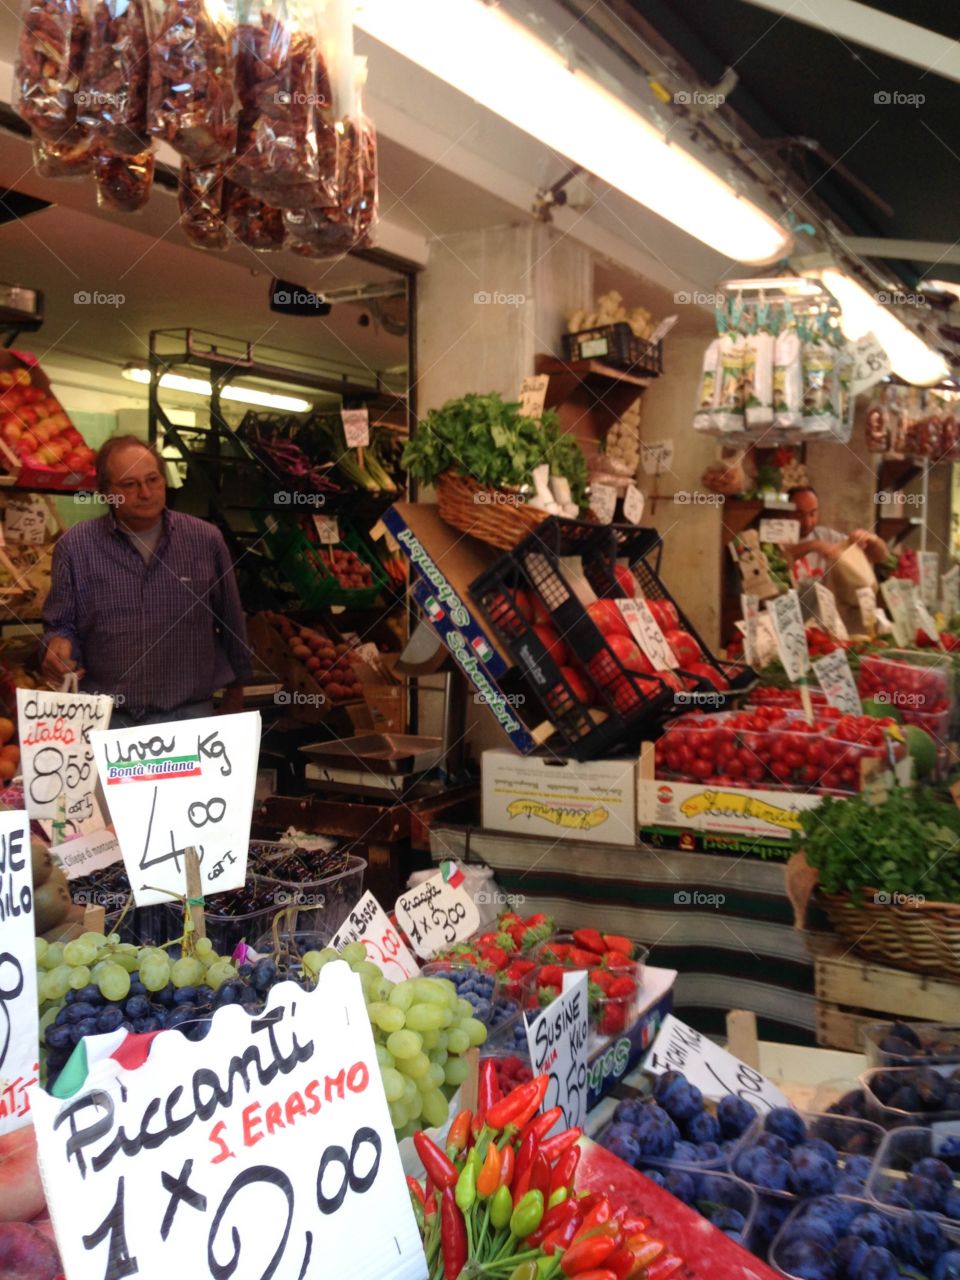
(232, 700)
(815, 546)
(58, 659)
(871, 544)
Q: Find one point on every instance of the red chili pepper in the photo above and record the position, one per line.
(645, 1252)
(559, 1216)
(540, 1126)
(564, 1171)
(453, 1236)
(603, 1274)
(458, 1134)
(519, 1105)
(621, 1263)
(524, 1157)
(554, 1147)
(417, 1190)
(540, 1173)
(562, 1237)
(598, 1215)
(586, 1255)
(632, 1223)
(508, 1161)
(664, 1267)
(488, 1092)
(521, 1186)
(438, 1166)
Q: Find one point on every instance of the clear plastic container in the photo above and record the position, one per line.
(848, 1137)
(901, 1150)
(941, 1044)
(908, 682)
(610, 1014)
(881, 1083)
(481, 989)
(715, 1194)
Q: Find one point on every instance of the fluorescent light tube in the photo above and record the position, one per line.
(910, 356)
(485, 54)
(200, 387)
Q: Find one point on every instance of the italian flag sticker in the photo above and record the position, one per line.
(432, 606)
(99, 1057)
(481, 648)
(452, 875)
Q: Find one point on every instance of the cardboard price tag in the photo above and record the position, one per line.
(59, 774)
(328, 531)
(603, 502)
(633, 504)
(533, 395)
(836, 680)
(900, 597)
(369, 923)
(437, 913)
(557, 1040)
(871, 364)
(84, 855)
(647, 632)
(781, 532)
(656, 456)
(713, 1070)
(356, 427)
(928, 563)
(25, 518)
(281, 1176)
(829, 614)
(950, 583)
(185, 784)
(787, 621)
(867, 604)
(19, 1023)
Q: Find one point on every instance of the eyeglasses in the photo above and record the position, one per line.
(132, 486)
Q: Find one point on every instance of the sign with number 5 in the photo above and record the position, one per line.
(557, 1039)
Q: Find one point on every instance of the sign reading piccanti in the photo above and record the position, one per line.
(264, 1150)
(19, 1032)
(185, 784)
(59, 776)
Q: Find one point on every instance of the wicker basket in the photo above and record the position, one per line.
(492, 515)
(924, 937)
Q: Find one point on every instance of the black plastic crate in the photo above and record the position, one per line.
(630, 706)
(616, 345)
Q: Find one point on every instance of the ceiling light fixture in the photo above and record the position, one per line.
(910, 356)
(773, 284)
(481, 51)
(201, 387)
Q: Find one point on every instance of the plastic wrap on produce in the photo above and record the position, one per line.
(124, 182)
(201, 206)
(192, 101)
(50, 55)
(257, 225)
(69, 157)
(329, 232)
(113, 86)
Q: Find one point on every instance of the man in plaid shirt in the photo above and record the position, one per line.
(143, 602)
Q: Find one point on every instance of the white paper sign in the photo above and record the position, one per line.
(871, 364)
(929, 565)
(369, 923)
(950, 582)
(781, 532)
(829, 614)
(784, 612)
(557, 1039)
(189, 783)
(328, 531)
(714, 1071)
(603, 502)
(867, 604)
(751, 613)
(19, 1028)
(900, 597)
(648, 634)
(266, 1149)
(25, 518)
(836, 680)
(656, 456)
(633, 503)
(533, 395)
(925, 622)
(438, 913)
(84, 855)
(356, 427)
(59, 774)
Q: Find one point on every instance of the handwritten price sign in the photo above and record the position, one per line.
(836, 680)
(780, 531)
(829, 613)
(59, 774)
(871, 364)
(557, 1039)
(656, 456)
(647, 632)
(900, 597)
(369, 923)
(713, 1070)
(950, 582)
(186, 784)
(19, 1030)
(356, 427)
(784, 612)
(438, 913)
(175, 1168)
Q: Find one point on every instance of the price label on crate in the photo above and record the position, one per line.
(59, 772)
(183, 784)
(327, 530)
(836, 680)
(780, 532)
(656, 456)
(557, 1040)
(633, 503)
(867, 604)
(714, 1071)
(369, 923)
(900, 597)
(829, 613)
(25, 518)
(181, 1171)
(533, 395)
(648, 634)
(784, 612)
(18, 973)
(438, 913)
(950, 584)
(603, 502)
(83, 855)
(356, 427)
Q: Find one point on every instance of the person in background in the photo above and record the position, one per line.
(820, 546)
(143, 601)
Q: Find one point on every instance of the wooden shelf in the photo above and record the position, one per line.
(589, 396)
(588, 370)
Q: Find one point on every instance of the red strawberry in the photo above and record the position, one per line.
(496, 957)
(550, 975)
(613, 959)
(590, 940)
(621, 988)
(612, 1020)
(580, 959)
(603, 979)
(537, 918)
(617, 942)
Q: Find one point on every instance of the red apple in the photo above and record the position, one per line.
(29, 441)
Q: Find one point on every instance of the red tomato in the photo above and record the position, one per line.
(524, 604)
(552, 643)
(608, 618)
(684, 646)
(626, 581)
(708, 673)
(580, 686)
(630, 654)
(665, 612)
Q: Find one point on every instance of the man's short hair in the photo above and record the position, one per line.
(801, 488)
(110, 447)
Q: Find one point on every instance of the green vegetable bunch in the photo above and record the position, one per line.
(909, 844)
(490, 441)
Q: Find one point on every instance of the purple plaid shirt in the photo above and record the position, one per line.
(162, 634)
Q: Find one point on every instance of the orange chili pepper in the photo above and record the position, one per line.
(507, 1164)
(488, 1179)
(458, 1133)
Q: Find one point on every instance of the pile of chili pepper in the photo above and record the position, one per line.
(500, 1204)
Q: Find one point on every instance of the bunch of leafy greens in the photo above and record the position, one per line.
(908, 844)
(491, 442)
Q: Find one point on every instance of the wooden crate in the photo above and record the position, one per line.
(852, 992)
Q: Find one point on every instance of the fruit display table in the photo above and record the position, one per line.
(724, 922)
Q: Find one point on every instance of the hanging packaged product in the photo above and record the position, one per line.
(69, 157)
(113, 86)
(787, 381)
(255, 224)
(844, 399)
(192, 99)
(758, 377)
(728, 416)
(52, 47)
(709, 388)
(124, 182)
(819, 410)
(201, 207)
